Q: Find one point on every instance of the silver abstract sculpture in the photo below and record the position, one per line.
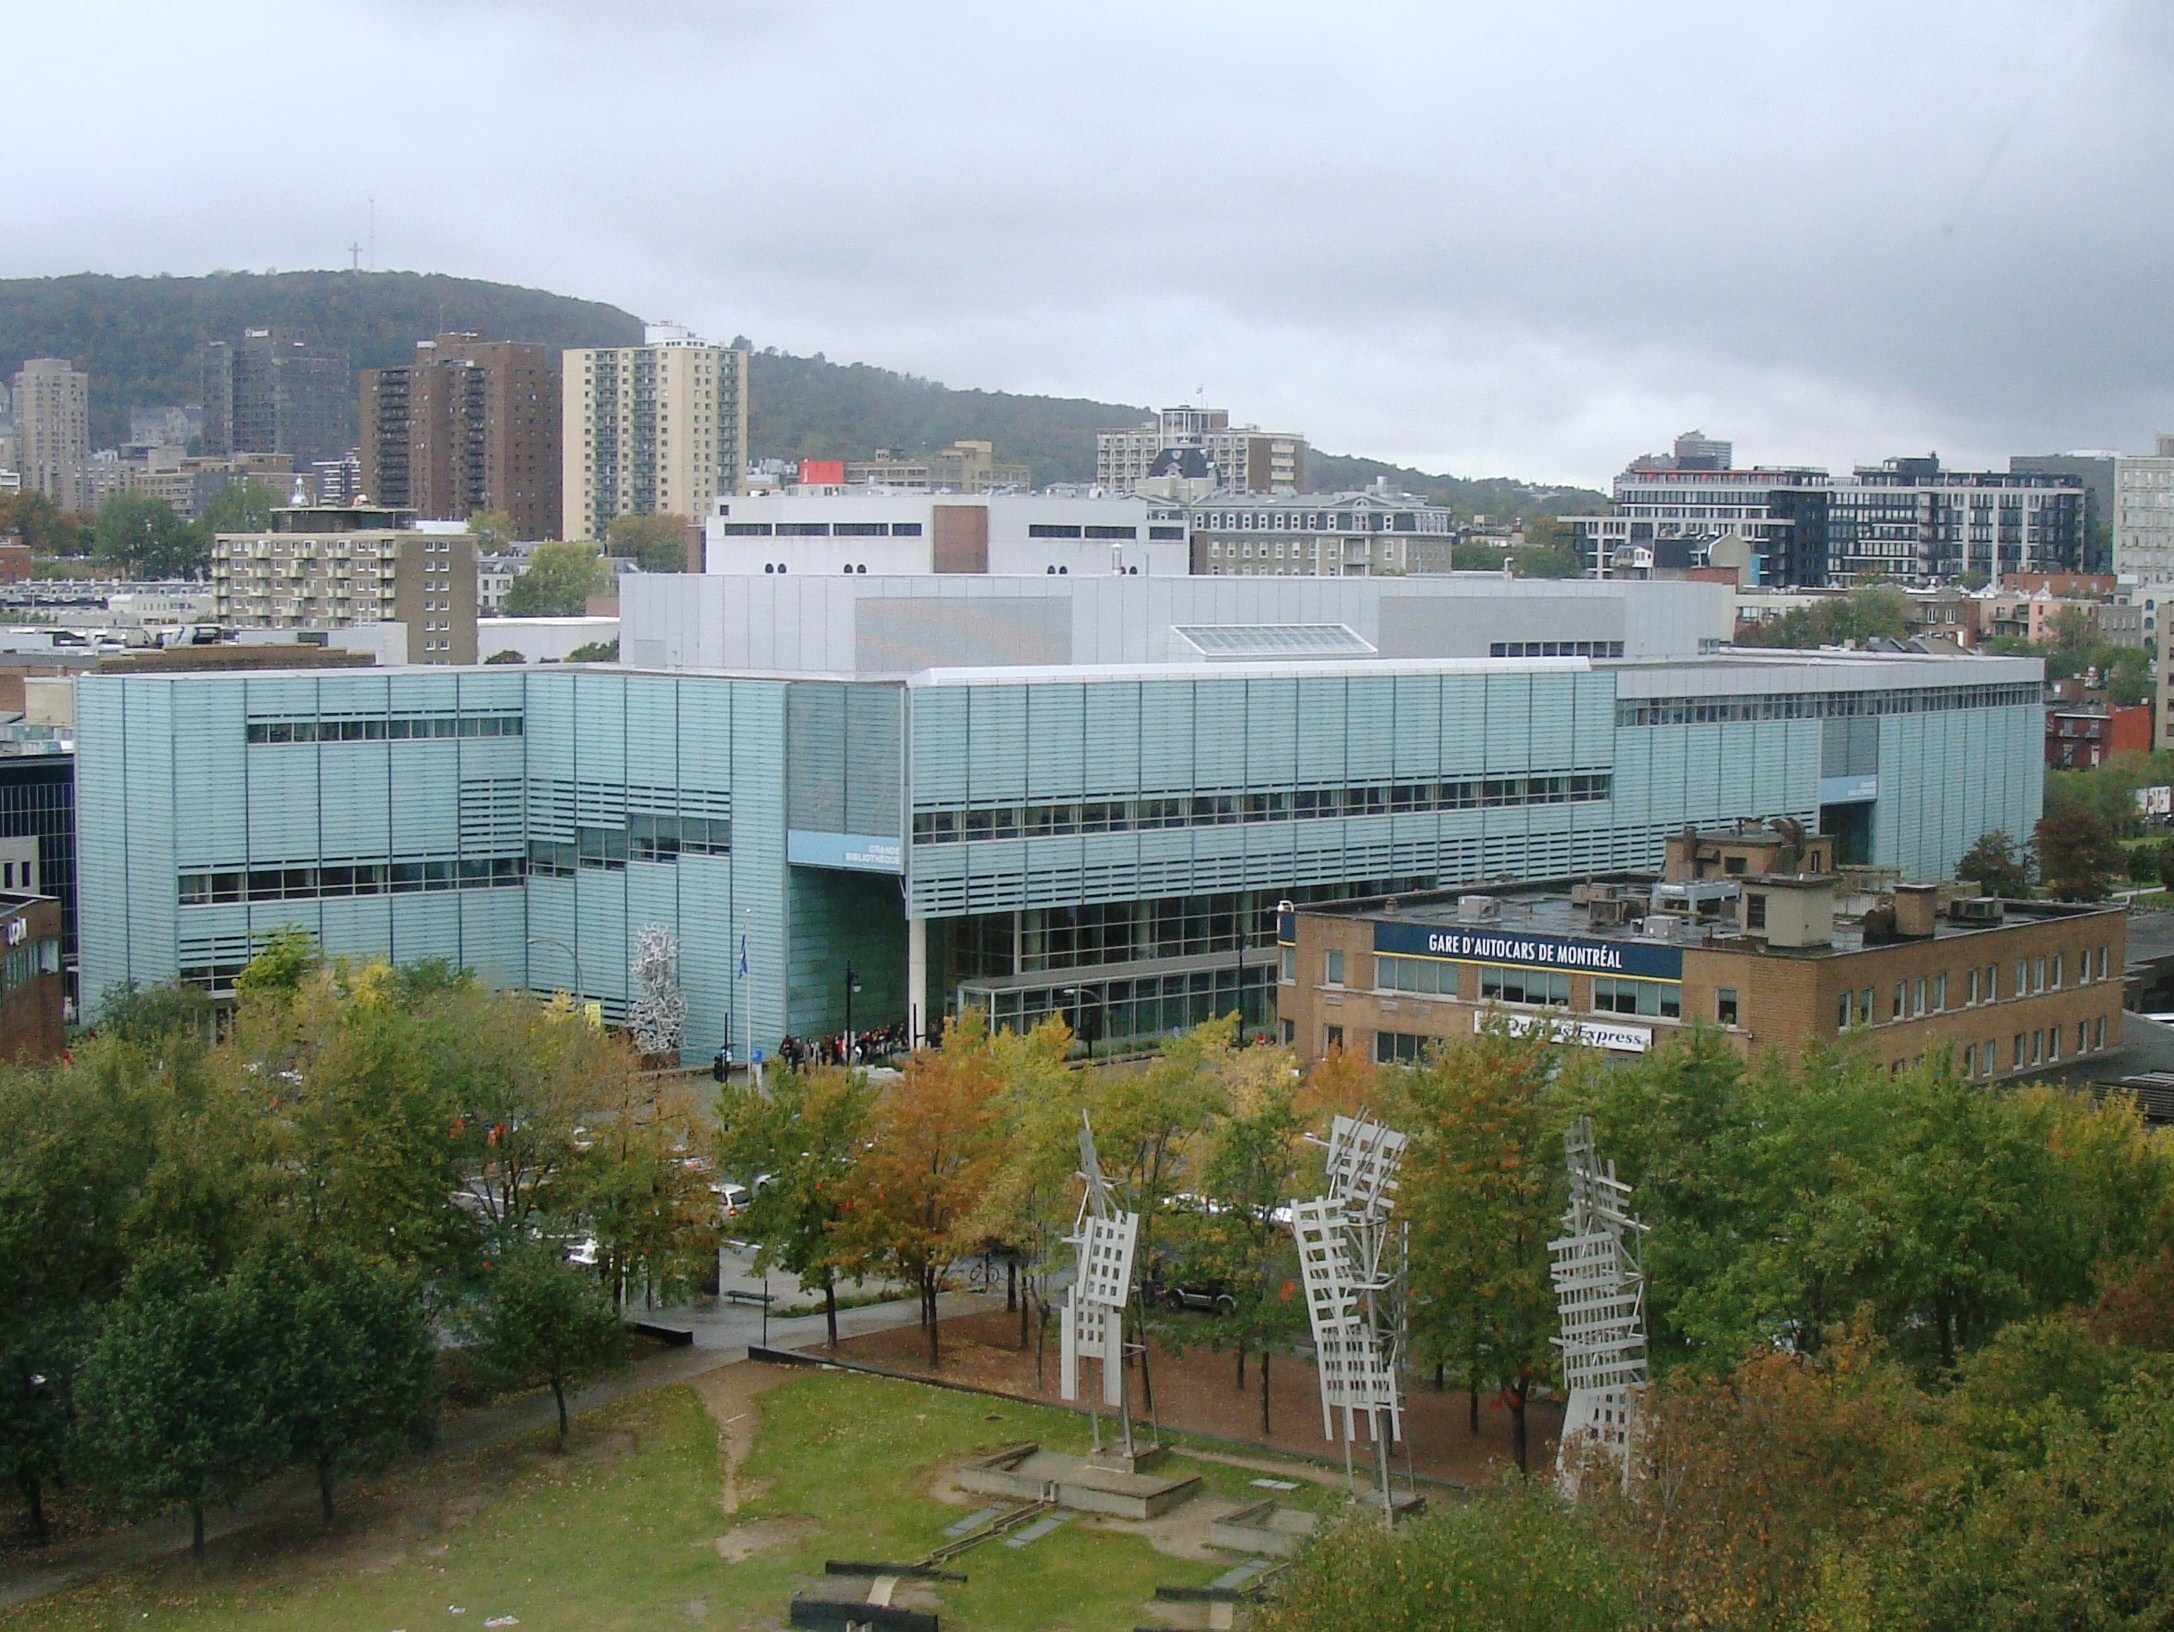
(1104, 1238)
(658, 1015)
(1600, 1293)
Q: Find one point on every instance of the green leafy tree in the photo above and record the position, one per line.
(1482, 1190)
(1250, 1172)
(595, 651)
(803, 1129)
(350, 1362)
(33, 519)
(1513, 1558)
(141, 533)
(492, 530)
(558, 582)
(507, 656)
(930, 1155)
(542, 1323)
(1997, 866)
(174, 1398)
(238, 507)
(1033, 1196)
(639, 1185)
(2078, 855)
(1474, 555)
(283, 957)
(653, 543)
(1550, 550)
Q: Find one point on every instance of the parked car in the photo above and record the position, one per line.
(1203, 1294)
(732, 1199)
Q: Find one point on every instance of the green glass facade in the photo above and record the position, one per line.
(1110, 844)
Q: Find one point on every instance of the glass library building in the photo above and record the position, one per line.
(1026, 795)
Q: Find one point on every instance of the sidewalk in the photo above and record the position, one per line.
(722, 1334)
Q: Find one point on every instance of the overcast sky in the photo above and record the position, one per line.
(1525, 239)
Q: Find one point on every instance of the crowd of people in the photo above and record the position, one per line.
(876, 1046)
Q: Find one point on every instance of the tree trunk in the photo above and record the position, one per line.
(1472, 1402)
(196, 1536)
(928, 1317)
(1241, 1383)
(1441, 1379)
(830, 1304)
(33, 1489)
(324, 1489)
(1517, 1426)
(1147, 1380)
(1264, 1394)
(558, 1392)
(1011, 1295)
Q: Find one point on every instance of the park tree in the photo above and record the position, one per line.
(1032, 1199)
(1250, 1172)
(558, 582)
(595, 651)
(803, 1129)
(541, 1323)
(507, 656)
(520, 1082)
(1476, 555)
(176, 1407)
(142, 534)
(1997, 866)
(349, 1359)
(2078, 856)
(640, 1184)
(653, 543)
(930, 1155)
(37, 521)
(1482, 1191)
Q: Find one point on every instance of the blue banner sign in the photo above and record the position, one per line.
(855, 852)
(1641, 959)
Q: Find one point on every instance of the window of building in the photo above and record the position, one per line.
(1920, 1008)
(2038, 974)
(1939, 993)
(2038, 1046)
(1287, 965)
(1973, 988)
(1398, 1048)
(2019, 1051)
(2022, 977)
(2098, 1026)
(2102, 963)
(1332, 1037)
(1429, 977)
(1725, 1011)
(1900, 1007)
(2056, 972)
(1970, 1059)
(1533, 986)
(1755, 911)
(1662, 998)
(1841, 1013)
(1332, 968)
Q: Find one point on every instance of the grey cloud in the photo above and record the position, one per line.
(1533, 241)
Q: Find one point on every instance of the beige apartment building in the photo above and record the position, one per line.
(343, 567)
(53, 430)
(650, 430)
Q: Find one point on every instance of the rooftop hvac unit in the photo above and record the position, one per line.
(1975, 909)
(1478, 909)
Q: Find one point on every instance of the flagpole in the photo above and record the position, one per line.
(747, 999)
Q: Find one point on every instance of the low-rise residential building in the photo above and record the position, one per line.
(1749, 931)
(342, 567)
(2083, 735)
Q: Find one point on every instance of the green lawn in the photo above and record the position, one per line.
(626, 1540)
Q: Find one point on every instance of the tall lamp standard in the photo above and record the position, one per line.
(1080, 996)
(852, 985)
(572, 956)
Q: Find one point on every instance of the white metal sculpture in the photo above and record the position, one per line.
(1105, 1238)
(1351, 1259)
(658, 1015)
(1600, 1292)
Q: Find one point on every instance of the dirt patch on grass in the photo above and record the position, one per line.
(1196, 1392)
(744, 1541)
(730, 1395)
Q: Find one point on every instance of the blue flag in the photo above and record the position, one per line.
(743, 953)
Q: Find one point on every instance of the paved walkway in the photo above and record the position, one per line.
(722, 1333)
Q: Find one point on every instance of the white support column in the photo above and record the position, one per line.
(917, 1019)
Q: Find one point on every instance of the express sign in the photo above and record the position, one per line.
(1634, 958)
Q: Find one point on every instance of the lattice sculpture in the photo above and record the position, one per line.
(1600, 1292)
(1350, 1259)
(1093, 1323)
(658, 1015)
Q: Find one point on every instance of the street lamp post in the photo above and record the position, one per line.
(852, 985)
(1079, 996)
(573, 957)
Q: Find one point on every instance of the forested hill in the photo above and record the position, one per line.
(138, 339)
